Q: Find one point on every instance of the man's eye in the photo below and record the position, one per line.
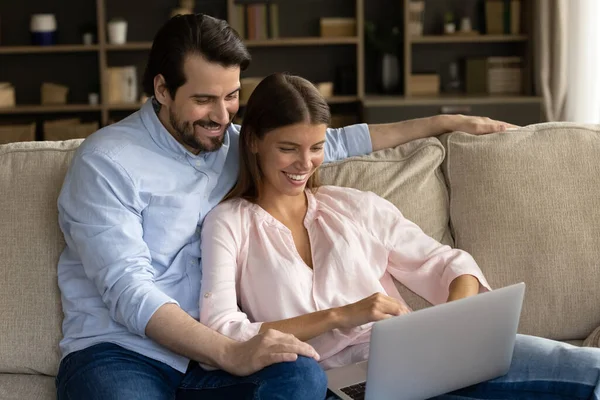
(232, 97)
(319, 148)
(286, 149)
(201, 101)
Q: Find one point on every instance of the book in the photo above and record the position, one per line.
(515, 17)
(273, 11)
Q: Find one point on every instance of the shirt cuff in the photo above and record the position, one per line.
(358, 140)
(153, 300)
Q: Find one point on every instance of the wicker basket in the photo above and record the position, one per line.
(17, 133)
(68, 129)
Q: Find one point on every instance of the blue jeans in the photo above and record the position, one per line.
(541, 369)
(109, 372)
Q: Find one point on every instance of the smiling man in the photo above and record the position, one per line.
(131, 208)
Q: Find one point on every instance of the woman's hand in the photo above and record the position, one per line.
(376, 307)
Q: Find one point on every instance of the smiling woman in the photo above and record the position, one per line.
(282, 139)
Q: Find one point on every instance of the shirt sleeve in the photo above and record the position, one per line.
(415, 259)
(349, 141)
(100, 216)
(221, 241)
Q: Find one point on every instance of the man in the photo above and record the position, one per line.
(131, 209)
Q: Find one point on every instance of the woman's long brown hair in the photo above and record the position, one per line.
(279, 100)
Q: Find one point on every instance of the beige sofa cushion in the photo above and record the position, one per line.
(593, 340)
(526, 205)
(410, 177)
(31, 175)
(29, 387)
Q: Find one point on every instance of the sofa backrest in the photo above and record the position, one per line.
(31, 174)
(526, 205)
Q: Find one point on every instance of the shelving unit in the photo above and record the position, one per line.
(431, 52)
(302, 52)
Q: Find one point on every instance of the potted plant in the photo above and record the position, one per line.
(449, 23)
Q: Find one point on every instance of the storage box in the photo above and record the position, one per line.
(65, 129)
(424, 84)
(325, 89)
(122, 85)
(247, 87)
(53, 93)
(7, 95)
(17, 133)
(338, 27)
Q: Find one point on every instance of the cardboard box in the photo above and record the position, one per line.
(247, 87)
(338, 27)
(7, 95)
(53, 93)
(65, 129)
(122, 85)
(17, 133)
(424, 84)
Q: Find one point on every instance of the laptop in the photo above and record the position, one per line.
(436, 350)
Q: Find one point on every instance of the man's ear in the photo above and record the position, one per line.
(161, 92)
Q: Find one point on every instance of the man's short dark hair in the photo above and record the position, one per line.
(185, 35)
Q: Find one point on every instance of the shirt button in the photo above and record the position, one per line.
(198, 163)
(207, 295)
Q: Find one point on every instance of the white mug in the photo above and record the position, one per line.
(117, 32)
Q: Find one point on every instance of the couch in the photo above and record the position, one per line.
(524, 203)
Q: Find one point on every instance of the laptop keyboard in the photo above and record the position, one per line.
(355, 392)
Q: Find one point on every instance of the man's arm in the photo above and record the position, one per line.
(177, 331)
(100, 215)
(385, 136)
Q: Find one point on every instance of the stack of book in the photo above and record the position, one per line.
(256, 21)
(494, 75)
(505, 75)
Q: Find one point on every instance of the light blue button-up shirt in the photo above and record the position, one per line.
(131, 209)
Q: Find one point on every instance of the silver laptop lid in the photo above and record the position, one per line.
(444, 348)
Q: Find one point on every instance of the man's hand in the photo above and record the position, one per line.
(270, 347)
(475, 125)
(376, 307)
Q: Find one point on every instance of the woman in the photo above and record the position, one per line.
(318, 262)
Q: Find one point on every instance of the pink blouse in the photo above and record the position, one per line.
(359, 241)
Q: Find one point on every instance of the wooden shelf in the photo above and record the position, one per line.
(60, 48)
(58, 108)
(342, 99)
(391, 101)
(331, 100)
(124, 106)
(467, 38)
(129, 46)
(301, 41)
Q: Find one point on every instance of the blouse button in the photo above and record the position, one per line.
(207, 295)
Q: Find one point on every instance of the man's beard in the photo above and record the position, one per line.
(185, 130)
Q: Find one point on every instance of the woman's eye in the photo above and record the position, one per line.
(285, 149)
(315, 149)
(201, 101)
